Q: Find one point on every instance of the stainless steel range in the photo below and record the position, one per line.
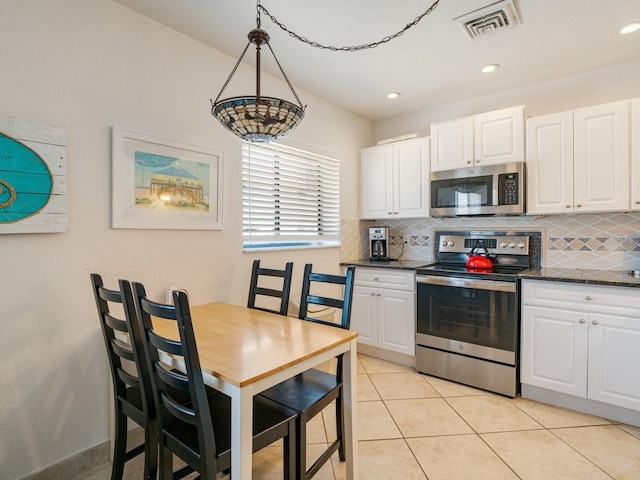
(468, 318)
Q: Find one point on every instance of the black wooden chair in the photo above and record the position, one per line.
(199, 432)
(283, 294)
(133, 396)
(313, 390)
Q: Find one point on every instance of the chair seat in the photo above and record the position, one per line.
(268, 418)
(304, 390)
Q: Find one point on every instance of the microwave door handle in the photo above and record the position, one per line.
(467, 283)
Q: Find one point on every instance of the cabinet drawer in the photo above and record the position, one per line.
(600, 299)
(386, 278)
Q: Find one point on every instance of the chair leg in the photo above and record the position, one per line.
(120, 447)
(340, 426)
(151, 450)
(289, 453)
(301, 450)
(166, 462)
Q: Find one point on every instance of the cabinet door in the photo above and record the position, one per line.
(364, 315)
(554, 350)
(499, 136)
(376, 176)
(411, 179)
(601, 158)
(550, 164)
(452, 144)
(396, 321)
(614, 357)
(635, 154)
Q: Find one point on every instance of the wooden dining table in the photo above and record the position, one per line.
(244, 351)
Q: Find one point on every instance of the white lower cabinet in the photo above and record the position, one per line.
(582, 340)
(383, 310)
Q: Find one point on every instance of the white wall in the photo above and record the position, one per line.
(592, 88)
(88, 65)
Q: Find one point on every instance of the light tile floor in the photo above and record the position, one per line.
(416, 427)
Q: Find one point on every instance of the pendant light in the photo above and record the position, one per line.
(258, 118)
(265, 119)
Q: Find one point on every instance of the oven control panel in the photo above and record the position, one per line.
(498, 244)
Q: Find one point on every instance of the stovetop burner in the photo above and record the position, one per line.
(508, 253)
(497, 273)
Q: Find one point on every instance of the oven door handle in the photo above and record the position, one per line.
(467, 283)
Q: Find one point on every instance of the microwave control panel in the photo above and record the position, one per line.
(508, 189)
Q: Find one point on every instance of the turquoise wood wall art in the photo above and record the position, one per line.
(25, 181)
(33, 177)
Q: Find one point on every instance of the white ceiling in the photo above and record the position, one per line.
(432, 64)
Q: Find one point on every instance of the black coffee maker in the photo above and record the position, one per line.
(379, 244)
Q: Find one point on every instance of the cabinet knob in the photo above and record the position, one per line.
(567, 206)
(373, 294)
(637, 202)
(582, 320)
(390, 213)
(578, 205)
(378, 294)
(375, 279)
(588, 298)
(595, 322)
(468, 161)
(396, 213)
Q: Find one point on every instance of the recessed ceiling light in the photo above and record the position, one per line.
(632, 27)
(490, 68)
(393, 95)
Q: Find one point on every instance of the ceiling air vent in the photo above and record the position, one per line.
(494, 17)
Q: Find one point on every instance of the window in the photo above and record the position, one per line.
(290, 197)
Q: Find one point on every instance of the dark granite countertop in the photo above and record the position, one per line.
(394, 264)
(593, 277)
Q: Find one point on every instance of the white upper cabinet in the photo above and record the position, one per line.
(550, 164)
(635, 154)
(487, 139)
(601, 158)
(579, 161)
(499, 136)
(394, 180)
(452, 144)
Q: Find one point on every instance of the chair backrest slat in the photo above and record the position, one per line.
(123, 350)
(178, 410)
(283, 294)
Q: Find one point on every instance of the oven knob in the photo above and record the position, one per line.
(512, 245)
(444, 243)
(521, 245)
(451, 244)
(503, 245)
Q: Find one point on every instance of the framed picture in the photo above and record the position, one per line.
(164, 184)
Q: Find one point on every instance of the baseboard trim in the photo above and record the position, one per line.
(584, 405)
(75, 465)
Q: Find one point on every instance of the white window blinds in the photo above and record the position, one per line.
(290, 198)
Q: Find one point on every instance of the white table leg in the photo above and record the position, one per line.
(241, 433)
(350, 410)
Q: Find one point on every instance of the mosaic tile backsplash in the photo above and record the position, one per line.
(607, 241)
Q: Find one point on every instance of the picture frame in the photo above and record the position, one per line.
(164, 184)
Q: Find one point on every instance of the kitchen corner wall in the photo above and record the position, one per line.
(607, 241)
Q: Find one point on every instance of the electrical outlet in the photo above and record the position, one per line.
(405, 239)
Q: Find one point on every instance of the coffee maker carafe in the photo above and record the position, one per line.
(379, 244)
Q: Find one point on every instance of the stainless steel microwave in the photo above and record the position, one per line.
(490, 190)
